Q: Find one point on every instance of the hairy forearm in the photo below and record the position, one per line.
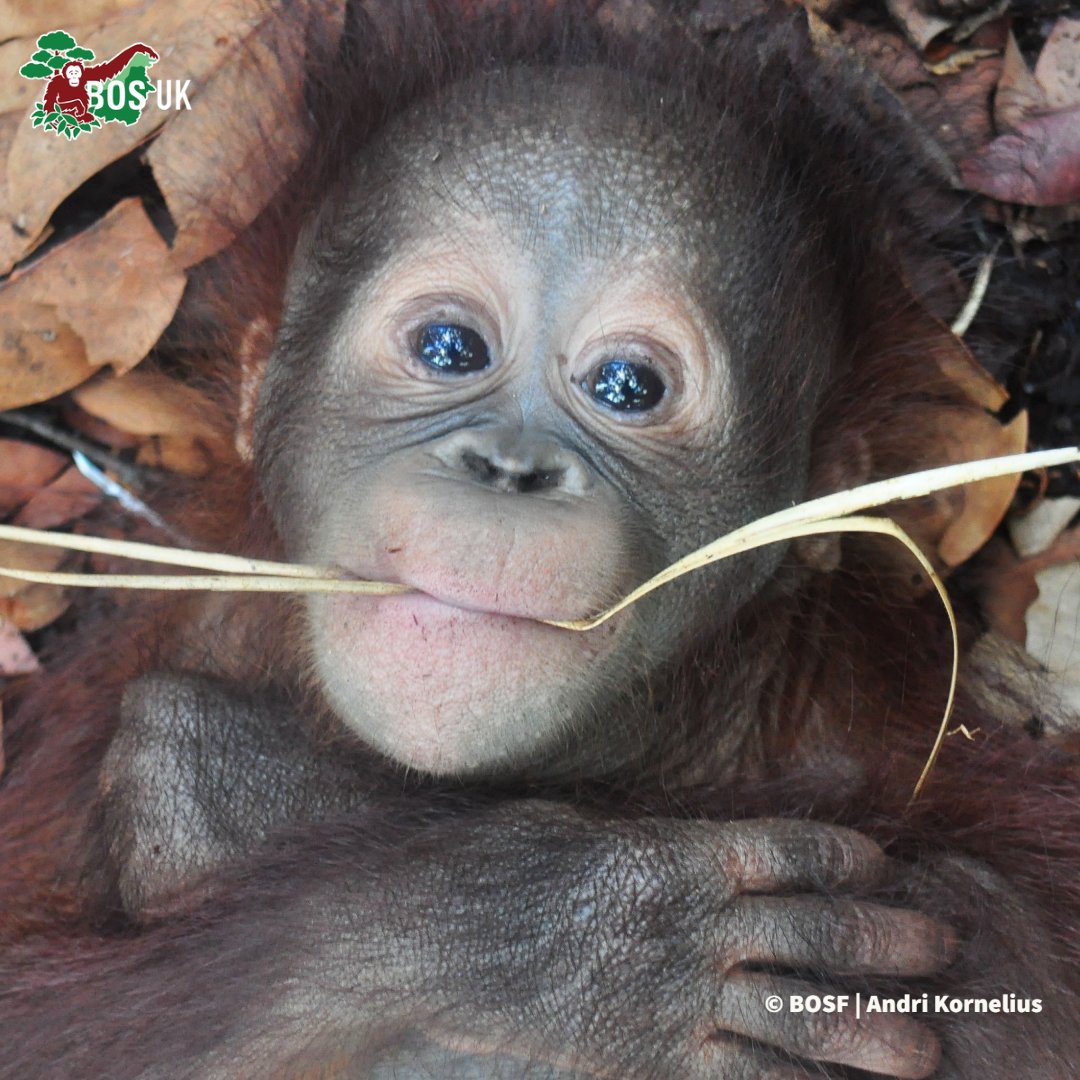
(235, 985)
(333, 944)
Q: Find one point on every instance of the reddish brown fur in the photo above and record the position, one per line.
(851, 646)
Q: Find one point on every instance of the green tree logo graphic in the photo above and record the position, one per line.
(72, 103)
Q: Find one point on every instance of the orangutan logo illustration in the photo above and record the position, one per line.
(80, 95)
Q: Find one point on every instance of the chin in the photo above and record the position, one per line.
(450, 691)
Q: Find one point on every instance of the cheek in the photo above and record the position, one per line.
(450, 691)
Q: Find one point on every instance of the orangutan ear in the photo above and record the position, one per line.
(850, 465)
(253, 351)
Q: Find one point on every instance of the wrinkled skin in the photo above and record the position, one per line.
(529, 928)
(398, 900)
(510, 494)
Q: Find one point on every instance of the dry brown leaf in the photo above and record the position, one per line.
(1057, 70)
(35, 606)
(16, 94)
(16, 658)
(96, 430)
(149, 403)
(1017, 91)
(25, 468)
(68, 497)
(956, 61)
(977, 434)
(1038, 164)
(919, 27)
(102, 297)
(40, 354)
(176, 453)
(9, 125)
(1007, 588)
(25, 557)
(30, 607)
(43, 170)
(983, 505)
(952, 524)
(960, 113)
(192, 38)
(1037, 159)
(952, 110)
(22, 19)
(210, 163)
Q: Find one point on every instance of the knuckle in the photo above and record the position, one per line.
(837, 855)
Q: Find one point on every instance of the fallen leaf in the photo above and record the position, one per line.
(30, 606)
(953, 111)
(193, 39)
(16, 95)
(1036, 159)
(1018, 91)
(16, 657)
(977, 434)
(1007, 589)
(1038, 164)
(951, 525)
(149, 403)
(25, 557)
(920, 27)
(25, 468)
(210, 163)
(68, 497)
(176, 453)
(9, 124)
(956, 61)
(35, 606)
(20, 19)
(102, 297)
(1057, 70)
(40, 354)
(96, 430)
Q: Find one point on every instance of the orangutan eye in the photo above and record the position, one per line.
(625, 386)
(453, 349)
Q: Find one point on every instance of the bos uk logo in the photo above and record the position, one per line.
(81, 95)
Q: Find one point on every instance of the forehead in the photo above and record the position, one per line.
(566, 164)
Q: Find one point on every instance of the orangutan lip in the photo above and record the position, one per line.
(447, 598)
(473, 609)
